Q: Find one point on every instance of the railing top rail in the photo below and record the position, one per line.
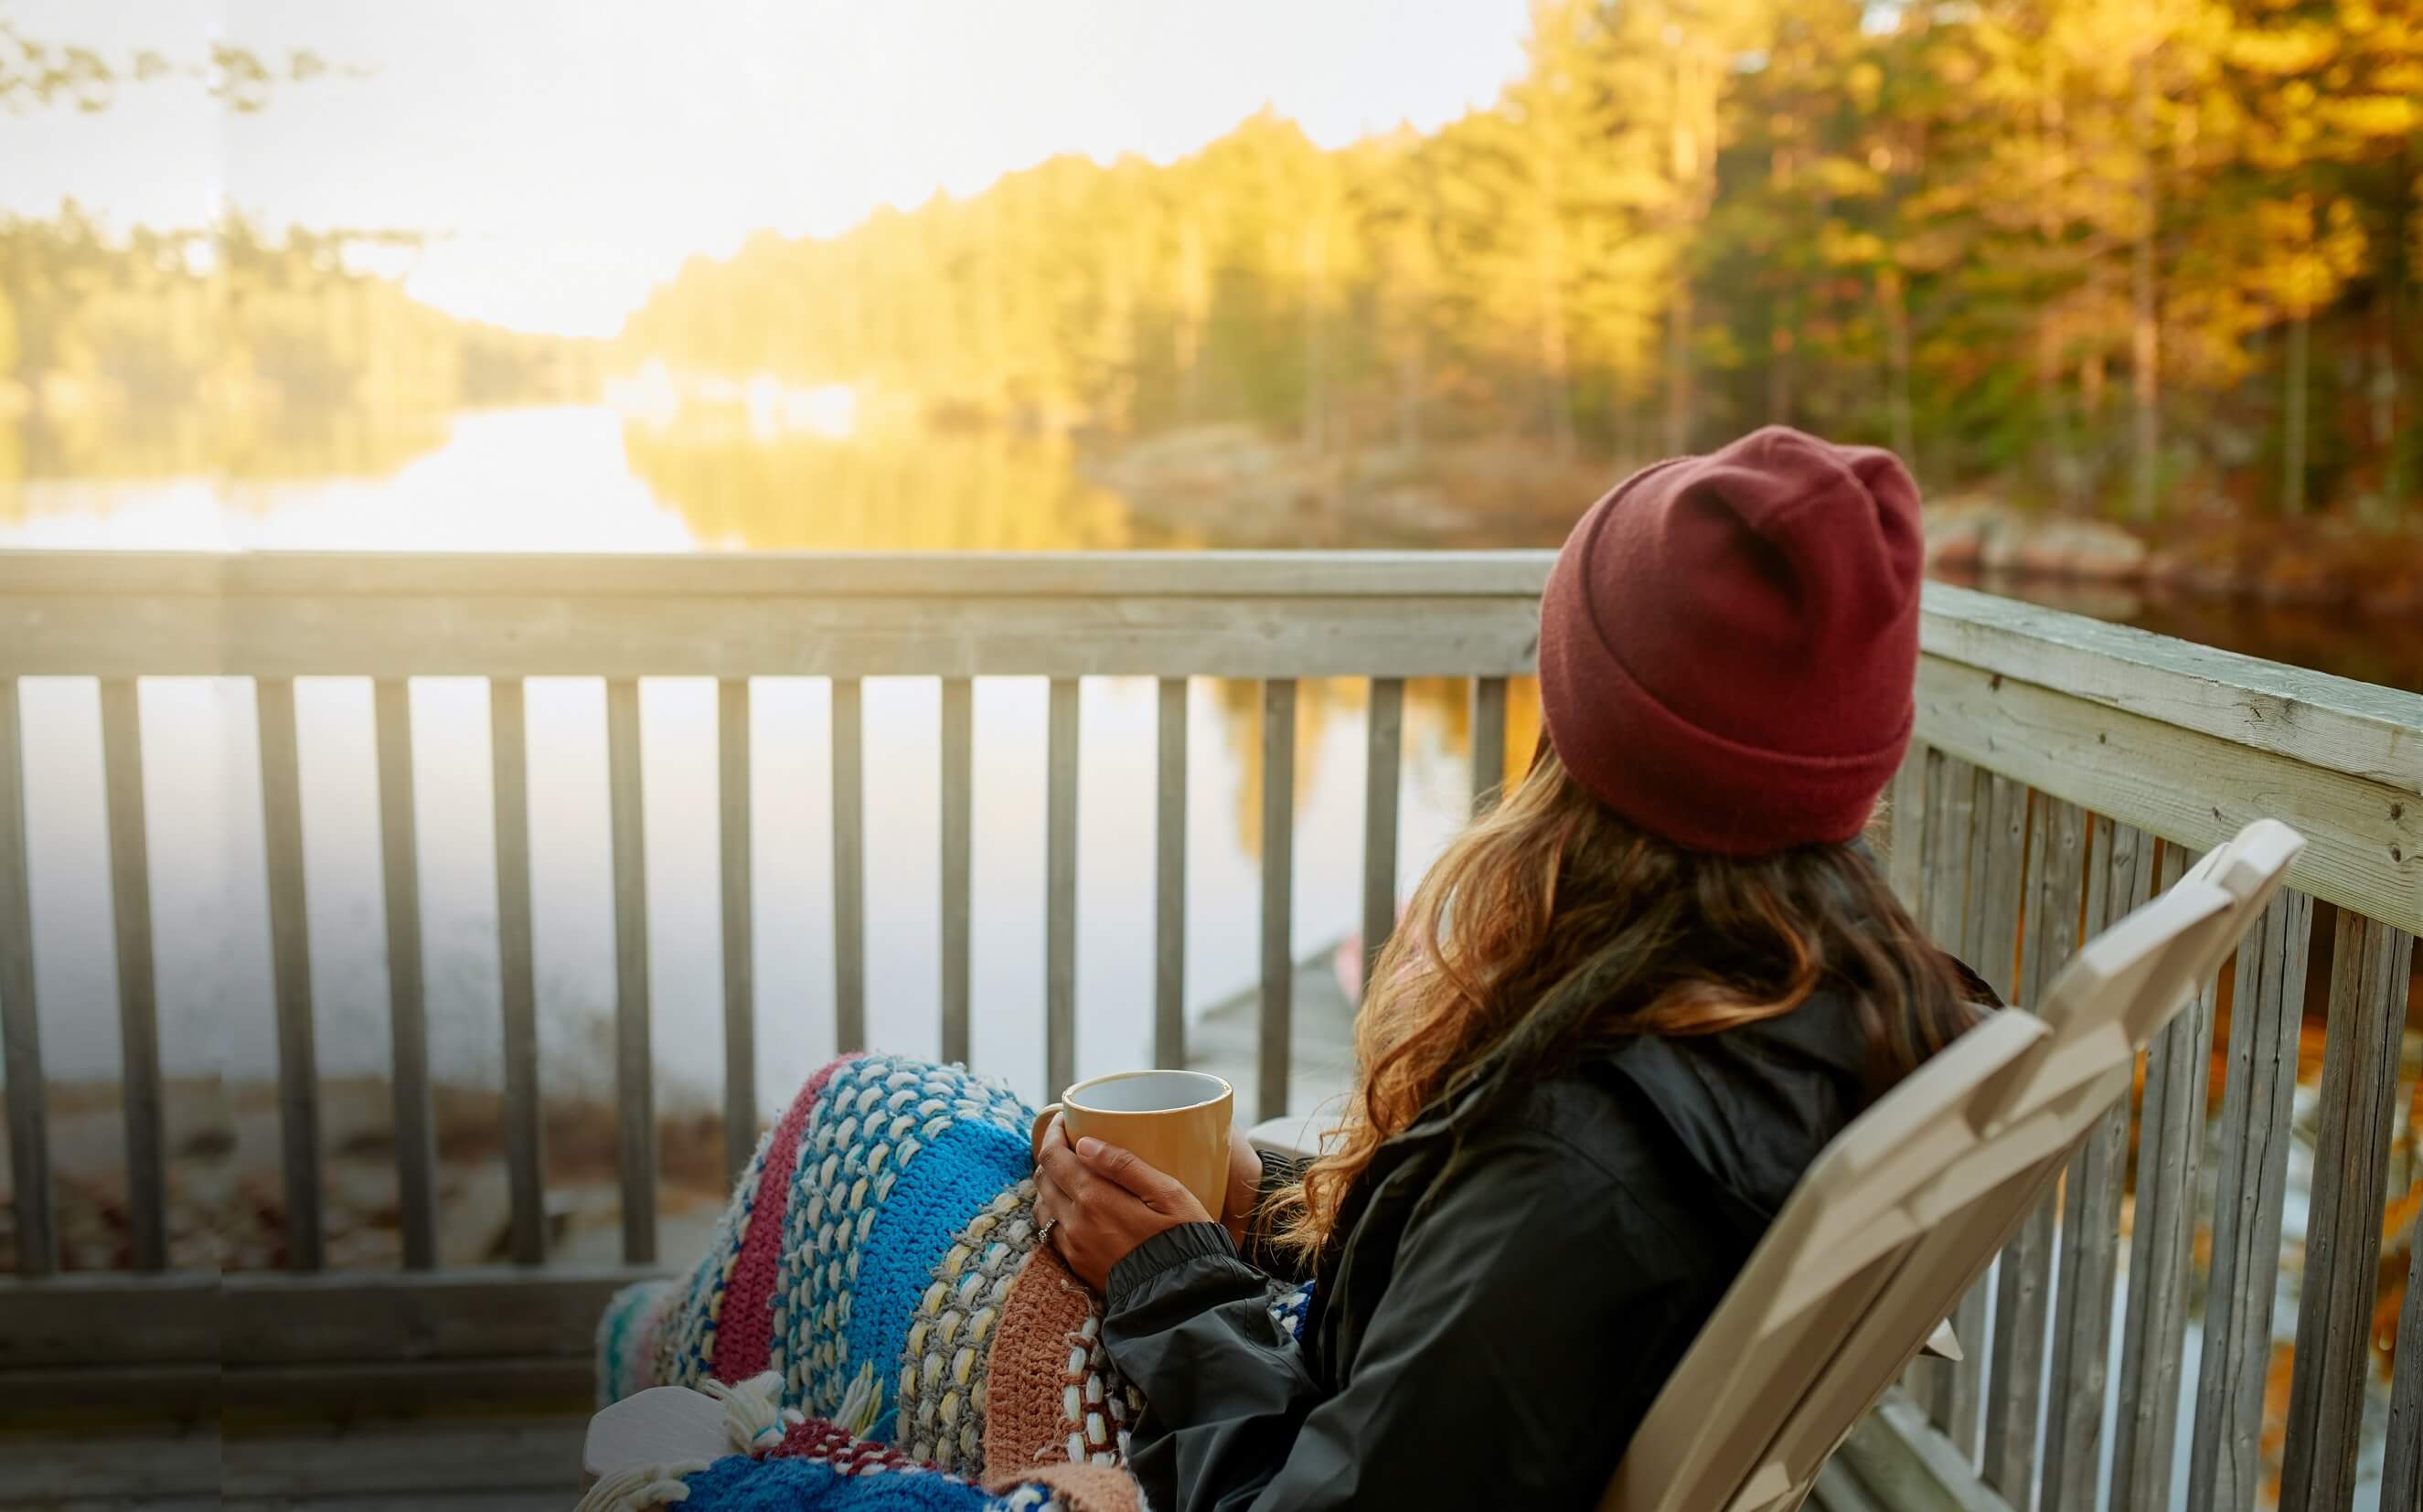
(2183, 740)
(816, 574)
(2361, 729)
(2358, 728)
(1163, 614)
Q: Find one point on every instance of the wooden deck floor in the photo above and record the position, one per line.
(439, 1463)
(523, 1464)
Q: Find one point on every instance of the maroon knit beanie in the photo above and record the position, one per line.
(1728, 643)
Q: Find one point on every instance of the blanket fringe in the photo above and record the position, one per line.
(754, 1416)
(860, 1403)
(640, 1487)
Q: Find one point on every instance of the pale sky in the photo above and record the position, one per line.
(569, 154)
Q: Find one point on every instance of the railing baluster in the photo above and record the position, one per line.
(1060, 903)
(1488, 741)
(2401, 1459)
(1998, 880)
(959, 807)
(1950, 837)
(1839, 1489)
(2267, 1003)
(1941, 847)
(517, 989)
(848, 866)
(634, 1071)
(2170, 1150)
(732, 787)
(407, 1004)
(289, 944)
(1169, 881)
(1279, 897)
(1906, 816)
(2369, 973)
(2119, 877)
(1996, 868)
(21, 1025)
(1383, 746)
(138, 992)
(1910, 839)
(2015, 1397)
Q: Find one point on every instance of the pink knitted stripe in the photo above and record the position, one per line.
(744, 1330)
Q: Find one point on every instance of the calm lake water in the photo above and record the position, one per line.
(580, 479)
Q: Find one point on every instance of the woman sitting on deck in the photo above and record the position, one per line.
(1627, 1010)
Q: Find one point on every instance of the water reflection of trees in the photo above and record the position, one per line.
(983, 491)
(1437, 731)
(183, 442)
(227, 350)
(996, 490)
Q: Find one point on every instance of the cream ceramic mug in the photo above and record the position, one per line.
(1175, 1122)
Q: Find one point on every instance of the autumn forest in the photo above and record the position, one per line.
(2130, 257)
(2105, 253)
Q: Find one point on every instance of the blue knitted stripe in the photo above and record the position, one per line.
(949, 1182)
(739, 1484)
(875, 1121)
(1288, 1307)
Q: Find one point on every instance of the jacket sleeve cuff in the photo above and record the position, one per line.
(1166, 1250)
(1279, 1172)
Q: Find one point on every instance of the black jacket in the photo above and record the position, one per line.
(1508, 1293)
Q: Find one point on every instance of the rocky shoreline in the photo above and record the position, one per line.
(1232, 485)
(2315, 563)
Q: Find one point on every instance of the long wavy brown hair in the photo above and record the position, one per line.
(1551, 926)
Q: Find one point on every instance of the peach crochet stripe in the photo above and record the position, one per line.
(744, 1333)
(1051, 1394)
(1078, 1487)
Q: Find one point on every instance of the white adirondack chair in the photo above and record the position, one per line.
(1909, 1206)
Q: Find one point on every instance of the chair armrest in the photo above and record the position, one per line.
(663, 1424)
(1295, 1136)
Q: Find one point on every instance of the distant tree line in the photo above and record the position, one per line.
(246, 330)
(2100, 253)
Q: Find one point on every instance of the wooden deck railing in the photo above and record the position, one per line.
(2064, 770)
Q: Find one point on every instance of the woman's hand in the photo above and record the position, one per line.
(1100, 1202)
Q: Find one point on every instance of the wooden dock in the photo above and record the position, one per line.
(1226, 1041)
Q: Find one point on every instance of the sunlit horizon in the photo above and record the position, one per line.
(564, 159)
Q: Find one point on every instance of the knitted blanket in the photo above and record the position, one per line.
(782, 1462)
(880, 1264)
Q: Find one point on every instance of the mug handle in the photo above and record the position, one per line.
(1034, 1133)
